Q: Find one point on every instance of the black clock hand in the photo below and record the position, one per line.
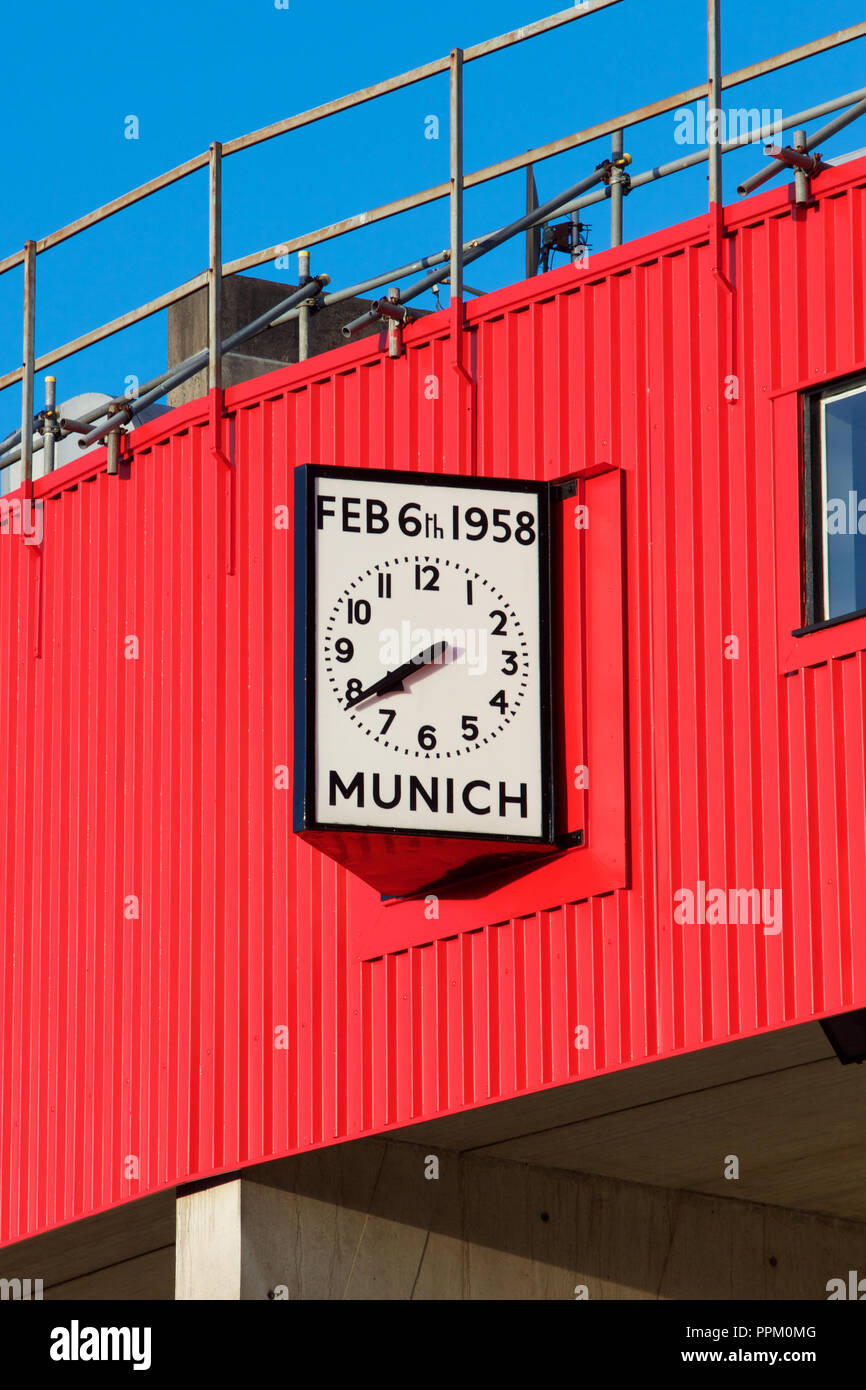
(393, 680)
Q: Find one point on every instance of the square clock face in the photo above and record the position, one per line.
(422, 655)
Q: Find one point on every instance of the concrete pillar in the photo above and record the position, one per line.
(209, 1237)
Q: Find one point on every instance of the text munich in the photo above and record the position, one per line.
(439, 794)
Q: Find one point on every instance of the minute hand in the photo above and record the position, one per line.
(393, 680)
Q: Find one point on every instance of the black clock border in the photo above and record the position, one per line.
(304, 520)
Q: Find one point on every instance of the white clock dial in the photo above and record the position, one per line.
(445, 668)
(424, 667)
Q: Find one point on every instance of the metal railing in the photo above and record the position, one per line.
(444, 265)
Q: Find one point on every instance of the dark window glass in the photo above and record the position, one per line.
(837, 464)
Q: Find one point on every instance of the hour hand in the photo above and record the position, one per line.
(393, 680)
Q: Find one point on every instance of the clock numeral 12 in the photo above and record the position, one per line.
(432, 582)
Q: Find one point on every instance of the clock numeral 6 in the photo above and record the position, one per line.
(427, 736)
(469, 725)
(359, 611)
(409, 524)
(344, 649)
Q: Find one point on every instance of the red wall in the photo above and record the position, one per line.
(154, 1036)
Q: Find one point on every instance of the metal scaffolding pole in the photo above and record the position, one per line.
(658, 171)
(617, 188)
(481, 246)
(49, 422)
(714, 94)
(816, 138)
(303, 310)
(10, 451)
(623, 121)
(801, 178)
(28, 359)
(184, 370)
(533, 234)
(21, 444)
(456, 185)
(215, 269)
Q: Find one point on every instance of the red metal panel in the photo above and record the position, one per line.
(183, 986)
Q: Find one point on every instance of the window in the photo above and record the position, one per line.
(835, 479)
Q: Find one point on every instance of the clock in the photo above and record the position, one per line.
(422, 670)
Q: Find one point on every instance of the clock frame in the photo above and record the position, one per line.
(408, 858)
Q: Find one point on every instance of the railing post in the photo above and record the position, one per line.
(714, 94)
(49, 423)
(577, 257)
(456, 267)
(28, 360)
(715, 139)
(215, 269)
(465, 443)
(304, 310)
(214, 344)
(533, 234)
(801, 178)
(616, 188)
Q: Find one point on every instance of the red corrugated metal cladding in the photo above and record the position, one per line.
(162, 923)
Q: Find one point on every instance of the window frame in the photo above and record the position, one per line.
(815, 551)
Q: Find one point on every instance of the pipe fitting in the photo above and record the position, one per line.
(613, 172)
(393, 309)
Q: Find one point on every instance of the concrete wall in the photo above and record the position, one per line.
(243, 299)
(361, 1221)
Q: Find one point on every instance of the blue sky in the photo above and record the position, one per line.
(195, 73)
